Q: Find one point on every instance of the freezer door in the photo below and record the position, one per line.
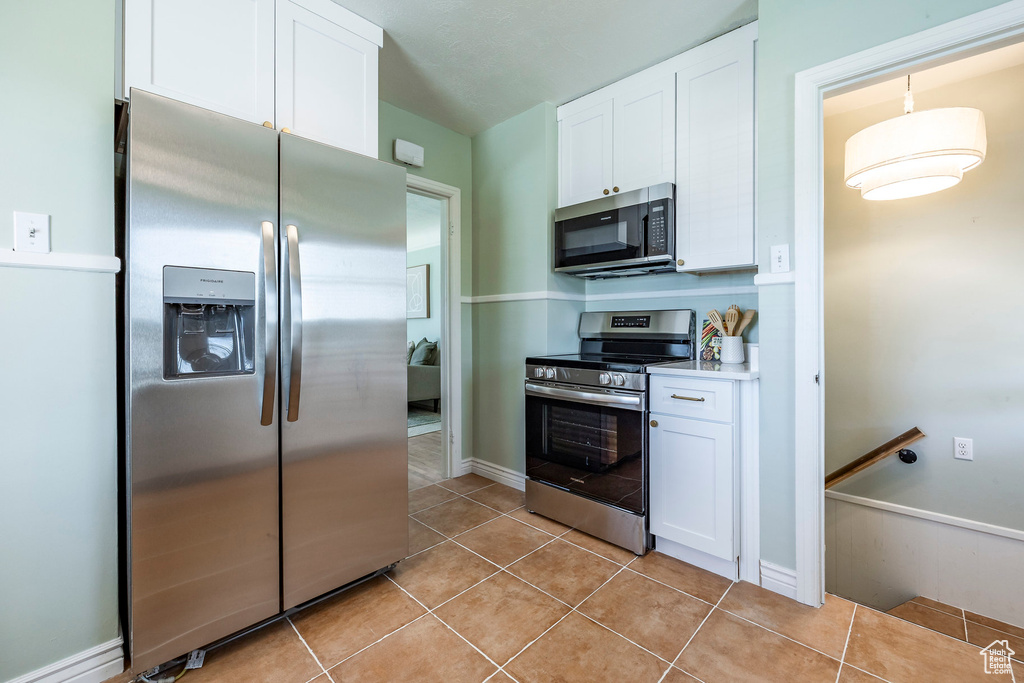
(203, 470)
(343, 417)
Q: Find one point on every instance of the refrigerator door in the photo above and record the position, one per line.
(344, 470)
(203, 529)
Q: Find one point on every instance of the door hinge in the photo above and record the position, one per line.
(817, 379)
(451, 230)
(451, 438)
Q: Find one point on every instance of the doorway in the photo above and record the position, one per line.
(433, 332)
(953, 41)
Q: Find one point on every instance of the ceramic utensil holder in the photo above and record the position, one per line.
(732, 349)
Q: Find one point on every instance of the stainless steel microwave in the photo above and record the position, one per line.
(631, 233)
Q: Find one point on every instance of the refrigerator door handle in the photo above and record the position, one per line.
(269, 324)
(295, 322)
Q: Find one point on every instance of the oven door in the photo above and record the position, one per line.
(595, 241)
(588, 441)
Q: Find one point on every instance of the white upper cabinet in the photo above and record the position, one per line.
(306, 65)
(644, 135)
(327, 74)
(619, 139)
(585, 154)
(216, 54)
(715, 156)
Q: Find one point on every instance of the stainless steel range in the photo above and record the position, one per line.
(586, 422)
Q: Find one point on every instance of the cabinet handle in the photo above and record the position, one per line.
(268, 124)
(606, 191)
(654, 423)
(286, 130)
(615, 189)
(689, 398)
(680, 262)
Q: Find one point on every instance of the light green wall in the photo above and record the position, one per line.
(514, 176)
(794, 35)
(944, 266)
(514, 184)
(699, 292)
(430, 328)
(448, 159)
(58, 493)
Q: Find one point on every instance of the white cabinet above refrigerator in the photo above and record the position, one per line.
(306, 65)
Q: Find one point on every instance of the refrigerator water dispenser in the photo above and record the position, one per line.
(209, 322)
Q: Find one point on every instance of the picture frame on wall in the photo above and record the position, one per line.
(417, 291)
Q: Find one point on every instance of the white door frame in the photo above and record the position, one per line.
(451, 312)
(975, 33)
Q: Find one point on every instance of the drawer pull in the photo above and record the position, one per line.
(689, 398)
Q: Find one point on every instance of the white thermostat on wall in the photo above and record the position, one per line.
(408, 153)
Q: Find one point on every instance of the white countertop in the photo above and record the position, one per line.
(713, 369)
(706, 370)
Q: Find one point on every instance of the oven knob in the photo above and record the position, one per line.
(603, 378)
(619, 380)
(538, 372)
(549, 373)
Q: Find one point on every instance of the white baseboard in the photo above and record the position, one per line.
(502, 475)
(94, 665)
(781, 580)
(715, 565)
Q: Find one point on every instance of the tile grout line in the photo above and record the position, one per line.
(846, 645)
(572, 609)
(781, 635)
(384, 637)
(703, 621)
(309, 649)
(678, 590)
(563, 617)
(430, 612)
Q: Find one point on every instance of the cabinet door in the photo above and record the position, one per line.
(715, 161)
(644, 136)
(216, 54)
(326, 80)
(692, 484)
(585, 155)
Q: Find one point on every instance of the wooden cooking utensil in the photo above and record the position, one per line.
(732, 317)
(716, 319)
(747, 317)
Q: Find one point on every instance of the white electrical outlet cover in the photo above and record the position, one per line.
(32, 232)
(963, 448)
(780, 258)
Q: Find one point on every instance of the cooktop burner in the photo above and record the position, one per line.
(613, 362)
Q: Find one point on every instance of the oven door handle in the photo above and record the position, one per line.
(623, 400)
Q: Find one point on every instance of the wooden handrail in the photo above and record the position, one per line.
(868, 459)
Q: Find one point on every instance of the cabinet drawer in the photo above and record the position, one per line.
(703, 399)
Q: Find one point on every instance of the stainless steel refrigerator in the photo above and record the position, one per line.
(264, 370)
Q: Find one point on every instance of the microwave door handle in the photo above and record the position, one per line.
(269, 324)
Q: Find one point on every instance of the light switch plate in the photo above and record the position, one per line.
(780, 258)
(32, 232)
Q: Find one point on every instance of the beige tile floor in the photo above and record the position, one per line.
(494, 593)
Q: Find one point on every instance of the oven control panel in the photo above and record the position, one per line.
(640, 321)
(585, 377)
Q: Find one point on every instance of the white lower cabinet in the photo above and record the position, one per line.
(693, 484)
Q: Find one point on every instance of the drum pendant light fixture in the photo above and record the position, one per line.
(917, 153)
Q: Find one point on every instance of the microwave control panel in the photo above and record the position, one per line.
(659, 225)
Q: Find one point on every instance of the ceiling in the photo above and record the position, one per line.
(471, 64)
(954, 72)
(423, 221)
